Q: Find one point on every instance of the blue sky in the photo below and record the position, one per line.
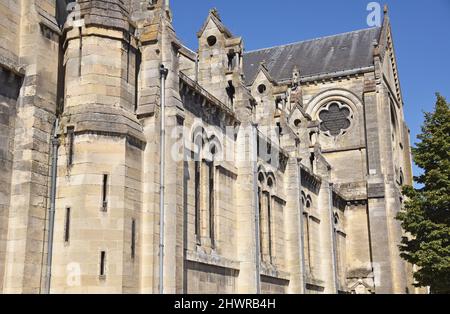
(421, 31)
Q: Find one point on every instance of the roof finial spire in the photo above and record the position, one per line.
(386, 9)
(215, 12)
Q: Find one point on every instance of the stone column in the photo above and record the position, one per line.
(246, 209)
(174, 220)
(294, 255)
(326, 239)
(148, 108)
(378, 227)
(392, 190)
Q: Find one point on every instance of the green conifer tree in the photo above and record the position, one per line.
(426, 216)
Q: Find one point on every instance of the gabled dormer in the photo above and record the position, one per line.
(263, 84)
(219, 59)
(213, 22)
(301, 123)
(263, 90)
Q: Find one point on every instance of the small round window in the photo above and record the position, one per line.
(262, 89)
(335, 119)
(212, 40)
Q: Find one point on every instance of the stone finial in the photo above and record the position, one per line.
(386, 9)
(215, 12)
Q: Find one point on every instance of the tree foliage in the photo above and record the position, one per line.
(426, 215)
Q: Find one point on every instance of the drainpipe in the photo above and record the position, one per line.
(163, 72)
(256, 200)
(301, 223)
(51, 219)
(333, 238)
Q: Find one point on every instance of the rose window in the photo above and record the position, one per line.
(335, 119)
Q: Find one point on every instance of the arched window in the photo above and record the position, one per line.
(266, 186)
(307, 234)
(261, 178)
(206, 151)
(394, 126)
(199, 138)
(401, 180)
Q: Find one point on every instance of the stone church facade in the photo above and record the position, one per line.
(283, 166)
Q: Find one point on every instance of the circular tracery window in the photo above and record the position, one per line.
(335, 119)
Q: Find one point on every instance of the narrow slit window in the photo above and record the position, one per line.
(312, 159)
(67, 226)
(71, 139)
(211, 202)
(80, 54)
(105, 193)
(307, 244)
(102, 264)
(231, 91)
(307, 237)
(231, 60)
(133, 239)
(136, 81)
(128, 57)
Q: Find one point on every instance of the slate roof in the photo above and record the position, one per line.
(324, 55)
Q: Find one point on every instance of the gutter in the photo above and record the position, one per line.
(257, 218)
(51, 219)
(163, 72)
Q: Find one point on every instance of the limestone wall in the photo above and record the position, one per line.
(10, 16)
(9, 90)
(209, 250)
(209, 279)
(94, 226)
(38, 52)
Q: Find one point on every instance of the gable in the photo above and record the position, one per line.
(214, 21)
(389, 61)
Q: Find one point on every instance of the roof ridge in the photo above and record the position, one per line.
(313, 39)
